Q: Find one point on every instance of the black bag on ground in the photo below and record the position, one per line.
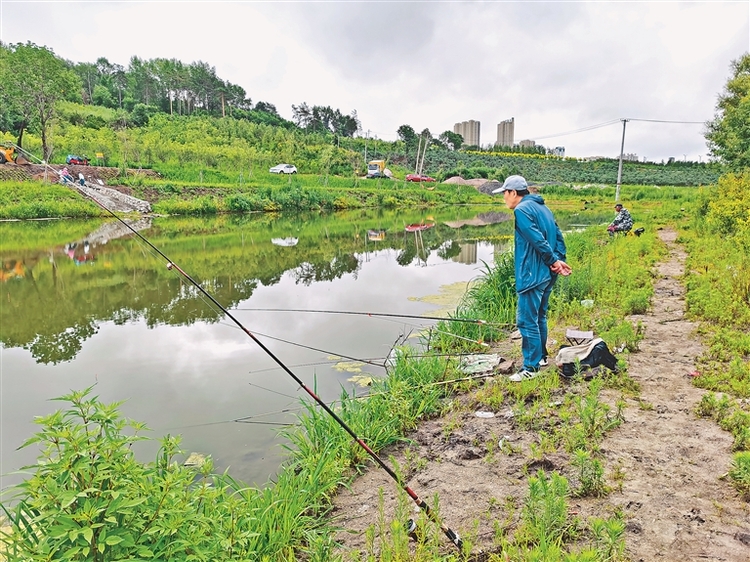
(585, 357)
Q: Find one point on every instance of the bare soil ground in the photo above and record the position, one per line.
(676, 504)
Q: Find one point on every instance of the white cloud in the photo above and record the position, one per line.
(554, 66)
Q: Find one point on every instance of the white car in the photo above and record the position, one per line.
(283, 169)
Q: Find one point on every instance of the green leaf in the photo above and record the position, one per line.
(113, 540)
(145, 552)
(88, 534)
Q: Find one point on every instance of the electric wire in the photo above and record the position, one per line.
(581, 130)
(669, 121)
(448, 532)
(612, 122)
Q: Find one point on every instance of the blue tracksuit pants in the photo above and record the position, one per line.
(531, 318)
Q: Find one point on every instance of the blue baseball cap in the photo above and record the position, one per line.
(513, 183)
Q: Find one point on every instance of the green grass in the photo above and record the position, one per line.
(35, 200)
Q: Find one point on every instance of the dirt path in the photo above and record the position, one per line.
(674, 503)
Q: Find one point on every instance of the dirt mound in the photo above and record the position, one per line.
(482, 185)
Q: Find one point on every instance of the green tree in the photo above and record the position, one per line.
(407, 134)
(325, 119)
(32, 80)
(451, 140)
(728, 135)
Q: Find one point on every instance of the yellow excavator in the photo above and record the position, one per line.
(8, 154)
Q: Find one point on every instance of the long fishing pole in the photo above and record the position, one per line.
(376, 314)
(367, 361)
(452, 535)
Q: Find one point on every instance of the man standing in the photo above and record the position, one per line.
(539, 259)
(623, 221)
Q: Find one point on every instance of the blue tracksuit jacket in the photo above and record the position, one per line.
(538, 243)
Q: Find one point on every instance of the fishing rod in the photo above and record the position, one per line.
(377, 314)
(448, 532)
(367, 361)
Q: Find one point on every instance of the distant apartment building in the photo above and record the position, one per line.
(469, 130)
(527, 142)
(468, 254)
(506, 132)
(630, 157)
(558, 151)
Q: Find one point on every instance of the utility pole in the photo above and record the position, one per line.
(367, 136)
(619, 168)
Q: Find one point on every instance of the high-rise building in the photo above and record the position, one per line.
(527, 143)
(469, 130)
(505, 132)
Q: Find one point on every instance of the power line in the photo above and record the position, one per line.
(668, 121)
(581, 130)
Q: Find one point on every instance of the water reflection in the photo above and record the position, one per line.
(120, 320)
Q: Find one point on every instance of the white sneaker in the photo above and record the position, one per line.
(523, 375)
(543, 362)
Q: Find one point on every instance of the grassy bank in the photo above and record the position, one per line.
(35, 200)
(718, 282)
(274, 193)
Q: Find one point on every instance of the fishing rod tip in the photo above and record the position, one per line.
(170, 265)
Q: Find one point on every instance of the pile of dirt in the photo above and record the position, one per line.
(482, 185)
(674, 501)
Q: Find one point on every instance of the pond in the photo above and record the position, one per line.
(87, 303)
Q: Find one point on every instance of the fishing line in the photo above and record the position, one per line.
(313, 364)
(354, 397)
(367, 361)
(373, 314)
(452, 535)
(244, 419)
(273, 391)
(382, 366)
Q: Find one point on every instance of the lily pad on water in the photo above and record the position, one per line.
(447, 298)
(361, 380)
(349, 366)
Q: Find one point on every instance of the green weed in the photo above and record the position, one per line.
(740, 473)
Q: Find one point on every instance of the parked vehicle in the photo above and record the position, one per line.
(75, 160)
(375, 168)
(283, 169)
(419, 178)
(7, 154)
(418, 227)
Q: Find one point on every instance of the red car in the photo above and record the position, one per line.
(419, 178)
(77, 160)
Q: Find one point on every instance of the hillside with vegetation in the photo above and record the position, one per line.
(189, 125)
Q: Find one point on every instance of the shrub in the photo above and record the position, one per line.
(88, 498)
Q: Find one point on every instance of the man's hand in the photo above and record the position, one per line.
(561, 268)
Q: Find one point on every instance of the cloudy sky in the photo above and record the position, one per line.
(554, 66)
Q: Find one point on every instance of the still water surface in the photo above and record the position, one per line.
(84, 303)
